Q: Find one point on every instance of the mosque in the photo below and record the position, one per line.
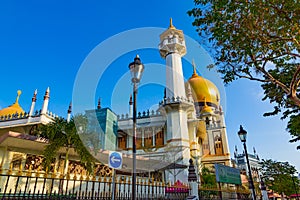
(188, 124)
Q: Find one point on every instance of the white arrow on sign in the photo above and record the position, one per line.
(113, 160)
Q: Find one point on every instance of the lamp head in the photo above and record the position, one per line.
(136, 69)
(242, 134)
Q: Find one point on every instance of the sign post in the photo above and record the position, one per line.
(115, 162)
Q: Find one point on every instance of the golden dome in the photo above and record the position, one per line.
(14, 108)
(204, 90)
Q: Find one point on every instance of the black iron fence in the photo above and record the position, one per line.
(36, 184)
(40, 185)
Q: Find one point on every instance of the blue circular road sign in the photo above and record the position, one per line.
(115, 160)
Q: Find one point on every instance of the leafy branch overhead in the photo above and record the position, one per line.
(256, 40)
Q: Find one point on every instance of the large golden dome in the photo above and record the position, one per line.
(12, 109)
(204, 90)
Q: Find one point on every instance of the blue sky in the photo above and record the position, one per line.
(46, 43)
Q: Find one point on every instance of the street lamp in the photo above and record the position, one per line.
(136, 70)
(243, 136)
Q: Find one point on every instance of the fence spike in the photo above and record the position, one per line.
(38, 171)
(20, 170)
(68, 176)
(29, 171)
(9, 172)
(93, 177)
(53, 174)
(81, 175)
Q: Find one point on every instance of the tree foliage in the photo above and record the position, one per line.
(208, 178)
(279, 176)
(257, 40)
(63, 134)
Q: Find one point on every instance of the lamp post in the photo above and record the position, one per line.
(136, 70)
(243, 135)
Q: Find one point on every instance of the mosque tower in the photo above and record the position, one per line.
(176, 106)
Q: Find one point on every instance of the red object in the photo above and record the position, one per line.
(294, 195)
(178, 187)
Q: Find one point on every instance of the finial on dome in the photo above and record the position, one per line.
(19, 92)
(194, 68)
(171, 24)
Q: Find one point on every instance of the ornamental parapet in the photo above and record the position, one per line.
(25, 115)
(140, 115)
(175, 100)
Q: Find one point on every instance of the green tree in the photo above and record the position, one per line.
(279, 176)
(256, 40)
(208, 178)
(63, 134)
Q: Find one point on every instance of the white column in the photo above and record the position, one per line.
(174, 76)
(33, 103)
(46, 101)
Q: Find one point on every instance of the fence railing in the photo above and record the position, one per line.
(40, 185)
(36, 184)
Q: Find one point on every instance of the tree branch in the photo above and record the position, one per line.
(250, 77)
(293, 87)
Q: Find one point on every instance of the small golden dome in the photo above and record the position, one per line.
(206, 108)
(204, 90)
(14, 108)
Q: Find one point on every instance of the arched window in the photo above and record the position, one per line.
(159, 138)
(122, 142)
(218, 146)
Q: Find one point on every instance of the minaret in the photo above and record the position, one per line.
(175, 105)
(33, 103)
(69, 112)
(130, 107)
(46, 101)
(172, 48)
